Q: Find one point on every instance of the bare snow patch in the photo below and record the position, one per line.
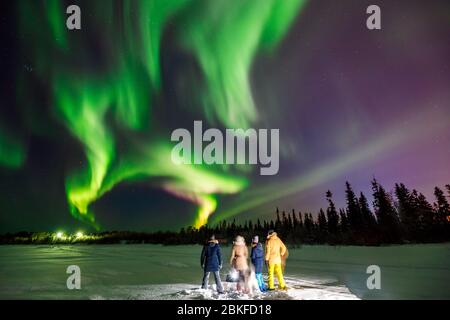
(298, 289)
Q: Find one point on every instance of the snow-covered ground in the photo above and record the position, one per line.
(173, 272)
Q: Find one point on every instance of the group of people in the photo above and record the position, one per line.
(247, 276)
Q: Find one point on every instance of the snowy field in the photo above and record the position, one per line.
(158, 272)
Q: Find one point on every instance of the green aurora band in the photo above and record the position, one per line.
(12, 152)
(100, 103)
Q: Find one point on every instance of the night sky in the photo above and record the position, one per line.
(86, 115)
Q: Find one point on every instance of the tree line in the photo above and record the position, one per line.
(403, 216)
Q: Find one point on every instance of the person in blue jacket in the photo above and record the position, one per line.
(211, 261)
(257, 257)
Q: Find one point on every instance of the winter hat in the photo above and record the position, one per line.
(213, 237)
(255, 239)
(239, 240)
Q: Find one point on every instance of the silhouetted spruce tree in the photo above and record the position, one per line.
(308, 223)
(387, 218)
(284, 223)
(289, 221)
(426, 224)
(442, 209)
(314, 227)
(407, 211)
(278, 221)
(300, 230)
(447, 186)
(322, 220)
(294, 220)
(353, 212)
(300, 219)
(322, 226)
(369, 221)
(333, 219)
(442, 206)
(343, 224)
(216, 229)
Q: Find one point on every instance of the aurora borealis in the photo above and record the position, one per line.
(86, 115)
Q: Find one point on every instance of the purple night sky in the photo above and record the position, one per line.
(351, 104)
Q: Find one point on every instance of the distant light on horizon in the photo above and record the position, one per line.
(79, 234)
(59, 235)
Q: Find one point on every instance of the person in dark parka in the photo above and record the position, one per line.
(211, 261)
(257, 257)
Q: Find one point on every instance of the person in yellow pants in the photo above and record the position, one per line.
(276, 269)
(275, 250)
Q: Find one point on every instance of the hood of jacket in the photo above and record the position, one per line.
(272, 236)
